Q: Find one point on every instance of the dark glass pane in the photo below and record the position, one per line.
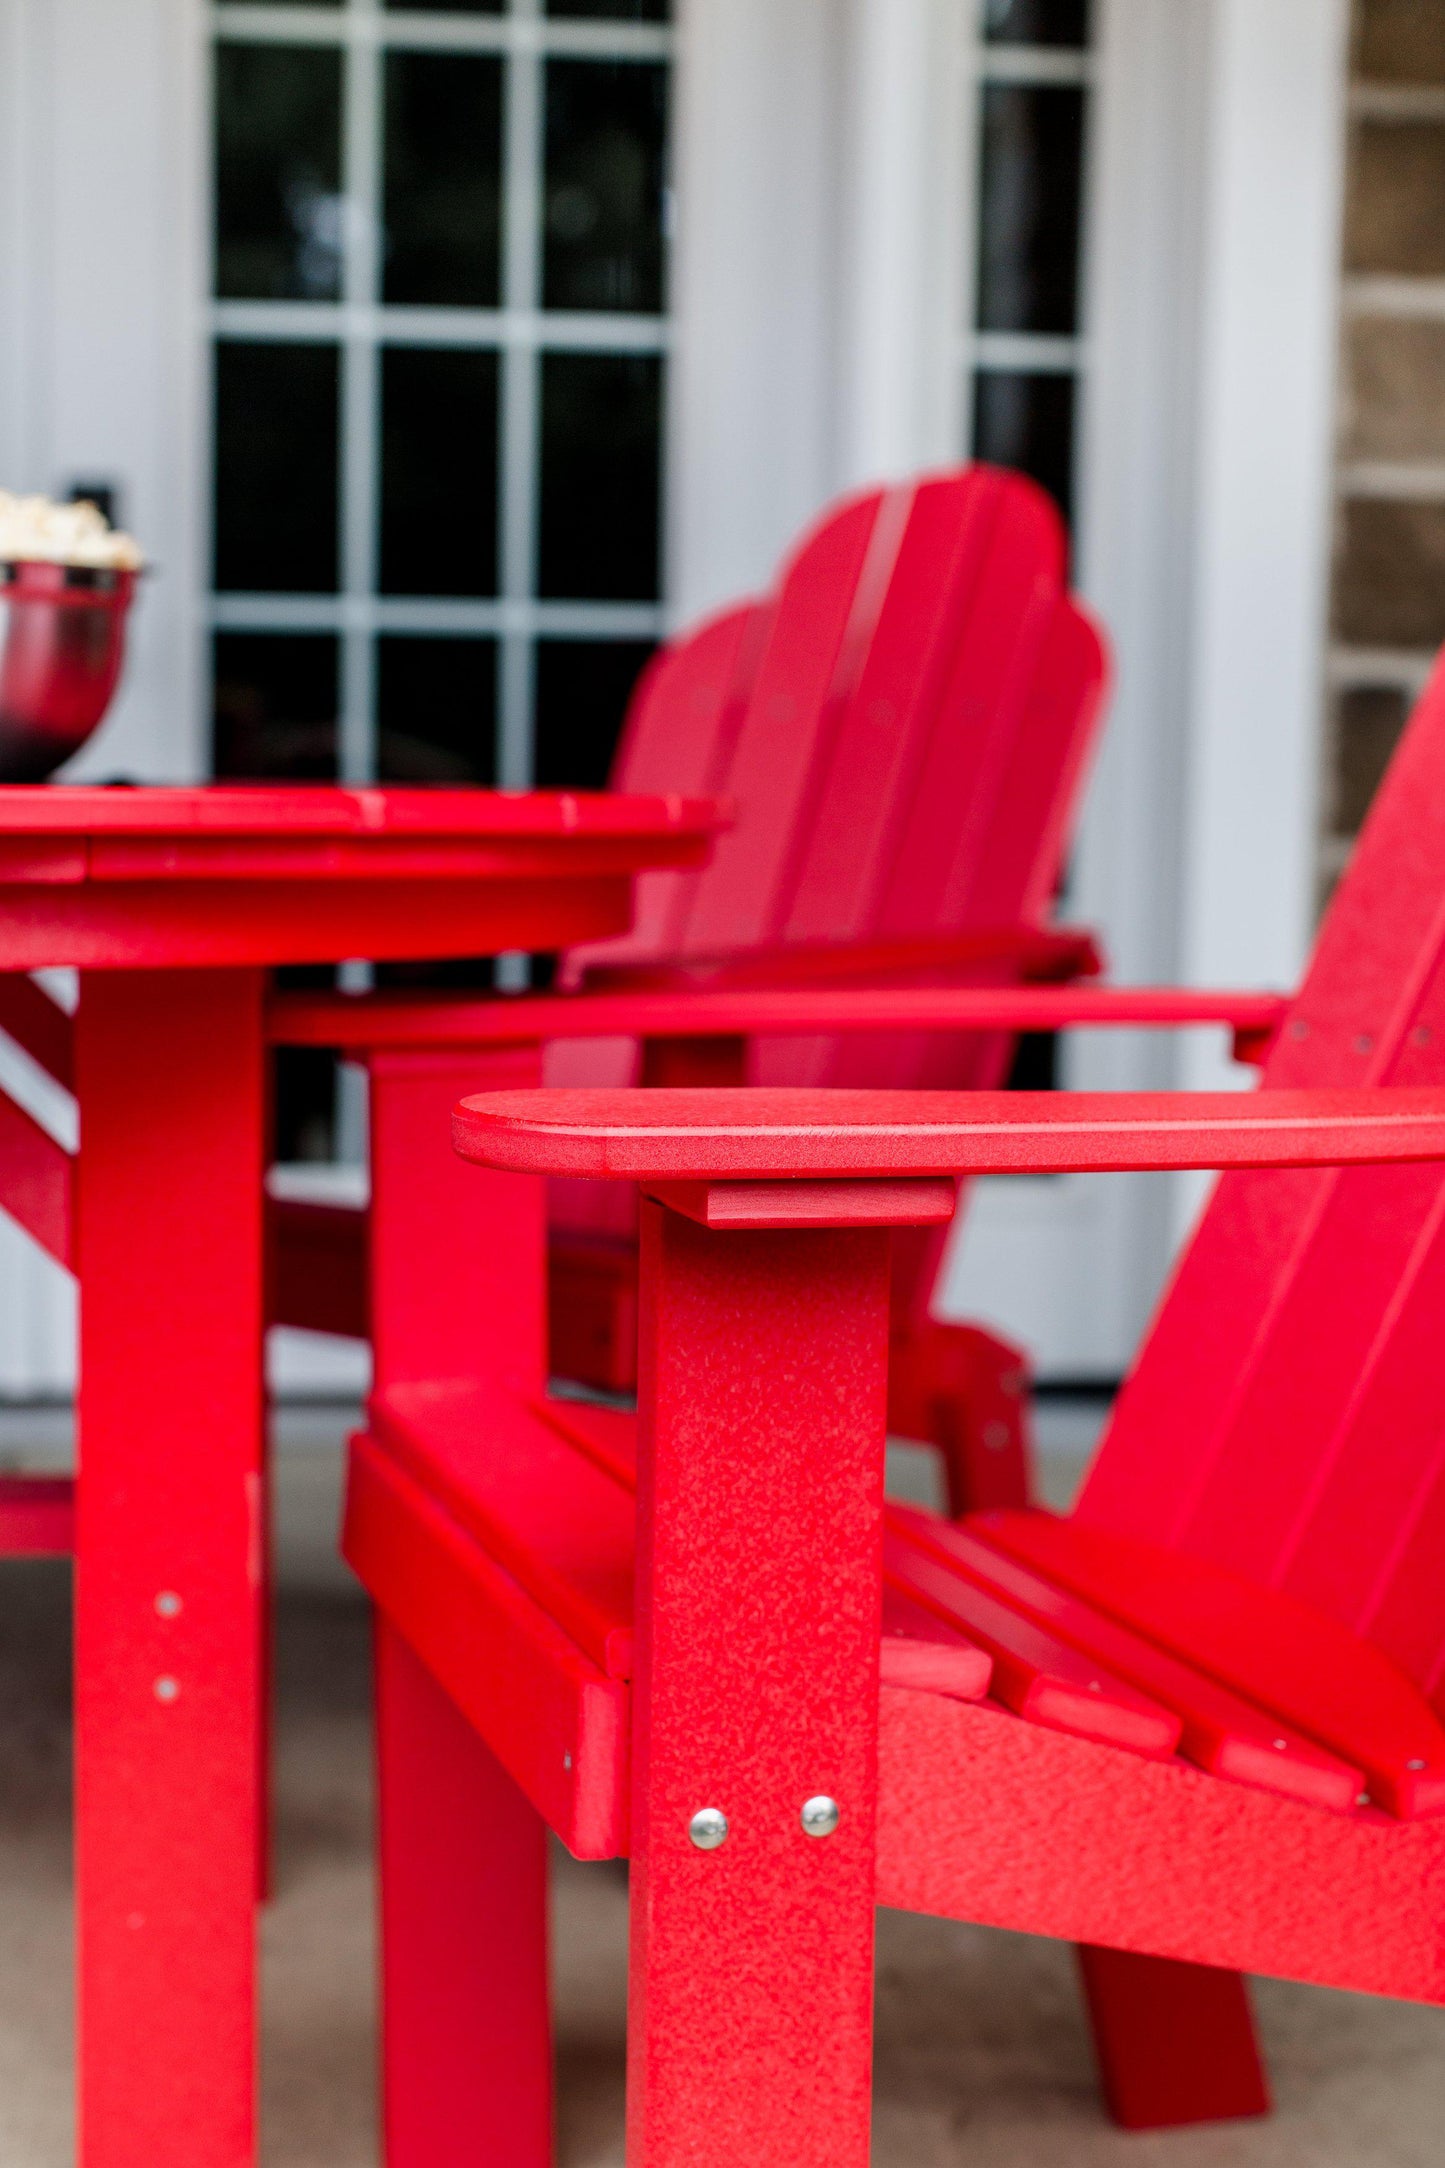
(278, 173)
(601, 476)
(606, 152)
(436, 710)
(275, 702)
(304, 1084)
(1035, 1063)
(615, 11)
(438, 472)
(1027, 422)
(1033, 141)
(276, 463)
(1036, 22)
(583, 687)
(443, 193)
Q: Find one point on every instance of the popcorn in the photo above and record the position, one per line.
(36, 530)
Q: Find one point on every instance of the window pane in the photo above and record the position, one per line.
(276, 420)
(600, 480)
(1027, 422)
(443, 179)
(436, 709)
(438, 472)
(616, 11)
(447, 7)
(1036, 22)
(275, 702)
(606, 147)
(278, 173)
(1033, 139)
(583, 687)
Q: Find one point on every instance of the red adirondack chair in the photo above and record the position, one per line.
(904, 728)
(1194, 1726)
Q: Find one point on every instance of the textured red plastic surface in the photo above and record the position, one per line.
(40, 1025)
(360, 1021)
(555, 1721)
(37, 1516)
(695, 1136)
(756, 1690)
(305, 819)
(140, 878)
(37, 1181)
(1283, 1419)
(463, 2075)
(1014, 1825)
(882, 1203)
(1221, 1731)
(1175, 2042)
(170, 1565)
(1282, 1654)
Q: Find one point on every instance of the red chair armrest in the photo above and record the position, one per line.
(363, 1022)
(1036, 954)
(702, 1136)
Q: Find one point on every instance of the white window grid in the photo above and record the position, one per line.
(520, 332)
(1022, 352)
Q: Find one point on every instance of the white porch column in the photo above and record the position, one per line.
(751, 398)
(1268, 320)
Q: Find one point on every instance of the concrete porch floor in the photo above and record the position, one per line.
(982, 2054)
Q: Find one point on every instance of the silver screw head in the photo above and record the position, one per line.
(708, 1828)
(168, 1604)
(1417, 1765)
(167, 1689)
(821, 1816)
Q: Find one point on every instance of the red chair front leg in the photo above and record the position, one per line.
(462, 1855)
(763, 1391)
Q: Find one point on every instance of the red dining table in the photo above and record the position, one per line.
(174, 903)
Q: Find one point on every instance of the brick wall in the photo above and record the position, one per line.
(1389, 585)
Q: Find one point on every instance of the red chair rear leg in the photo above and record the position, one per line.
(1175, 2042)
(463, 1864)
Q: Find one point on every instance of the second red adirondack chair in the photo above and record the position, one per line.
(903, 728)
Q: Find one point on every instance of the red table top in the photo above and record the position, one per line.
(232, 874)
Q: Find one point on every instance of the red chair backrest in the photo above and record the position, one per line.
(903, 728)
(1286, 1416)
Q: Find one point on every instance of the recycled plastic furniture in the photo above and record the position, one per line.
(903, 729)
(173, 903)
(1193, 1726)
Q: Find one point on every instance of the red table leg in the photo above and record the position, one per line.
(763, 1391)
(458, 1272)
(168, 1559)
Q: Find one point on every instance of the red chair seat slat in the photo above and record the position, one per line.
(1223, 1733)
(1279, 1653)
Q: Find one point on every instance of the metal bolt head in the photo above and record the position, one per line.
(708, 1828)
(821, 1816)
(1417, 1765)
(167, 1689)
(168, 1604)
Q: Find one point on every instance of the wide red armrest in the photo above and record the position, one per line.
(759, 1135)
(1041, 954)
(362, 1021)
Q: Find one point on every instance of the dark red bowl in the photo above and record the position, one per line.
(62, 643)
